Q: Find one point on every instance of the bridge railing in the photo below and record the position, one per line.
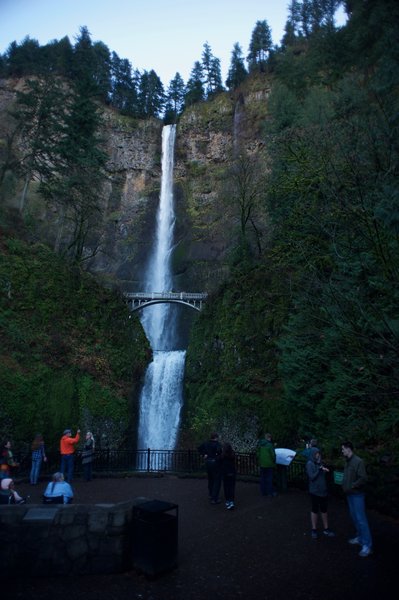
(166, 295)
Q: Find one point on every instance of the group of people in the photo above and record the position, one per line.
(220, 462)
(220, 467)
(67, 453)
(60, 486)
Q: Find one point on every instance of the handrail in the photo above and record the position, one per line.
(148, 460)
(167, 295)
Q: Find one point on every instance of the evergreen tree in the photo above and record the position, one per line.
(151, 97)
(215, 78)
(92, 64)
(23, 59)
(58, 56)
(306, 18)
(76, 187)
(237, 71)
(206, 62)
(211, 72)
(292, 29)
(174, 99)
(260, 46)
(123, 86)
(102, 71)
(41, 112)
(195, 88)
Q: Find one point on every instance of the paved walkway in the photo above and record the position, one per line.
(262, 550)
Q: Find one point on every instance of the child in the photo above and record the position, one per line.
(316, 472)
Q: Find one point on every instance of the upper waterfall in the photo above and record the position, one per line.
(158, 274)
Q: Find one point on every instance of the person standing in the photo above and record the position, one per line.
(7, 461)
(87, 456)
(67, 450)
(228, 469)
(316, 473)
(267, 464)
(38, 455)
(354, 480)
(211, 452)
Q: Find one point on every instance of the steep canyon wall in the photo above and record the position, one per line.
(206, 223)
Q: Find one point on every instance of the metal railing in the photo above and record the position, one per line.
(158, 461)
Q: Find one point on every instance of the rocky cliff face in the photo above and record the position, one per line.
(130, 196)
(206, 221)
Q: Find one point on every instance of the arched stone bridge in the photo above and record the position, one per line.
(138, 300)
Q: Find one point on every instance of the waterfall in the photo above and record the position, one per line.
(161, 397)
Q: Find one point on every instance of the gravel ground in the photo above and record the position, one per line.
(261, 550)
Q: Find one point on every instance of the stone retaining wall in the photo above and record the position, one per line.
(66, 539)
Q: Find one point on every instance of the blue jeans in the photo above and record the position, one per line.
(67, 462)
(35, 470)
(357, 509)
(266, 481)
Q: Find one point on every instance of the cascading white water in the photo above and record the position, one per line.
(161, 397)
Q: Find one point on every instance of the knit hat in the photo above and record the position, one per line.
(66, 431)
(5, 483)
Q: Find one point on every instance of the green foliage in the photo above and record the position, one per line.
(70, 353)
(231, 366)
(307, 337)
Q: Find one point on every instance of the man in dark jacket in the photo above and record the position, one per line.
(211, 451)
(355, 477)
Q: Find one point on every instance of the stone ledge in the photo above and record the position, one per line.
(66, 539)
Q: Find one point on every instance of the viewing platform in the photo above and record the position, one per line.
(139, 300)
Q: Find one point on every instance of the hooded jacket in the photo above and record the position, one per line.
(316, 475)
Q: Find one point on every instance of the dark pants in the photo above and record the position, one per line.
(229, 485)
(67, 463)
(266, 481)
(214, 478)
(87, 471)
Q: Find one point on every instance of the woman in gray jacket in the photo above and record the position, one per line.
(316, 472)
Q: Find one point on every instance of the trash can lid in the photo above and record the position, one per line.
(155, 506)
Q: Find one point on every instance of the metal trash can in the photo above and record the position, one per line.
(155, 537)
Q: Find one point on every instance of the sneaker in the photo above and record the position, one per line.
(328, 533)
(354, 541)
(230, 506)
(215, 501)
(365, 551)
(314, 534)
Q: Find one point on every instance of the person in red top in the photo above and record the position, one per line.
(67, 450)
